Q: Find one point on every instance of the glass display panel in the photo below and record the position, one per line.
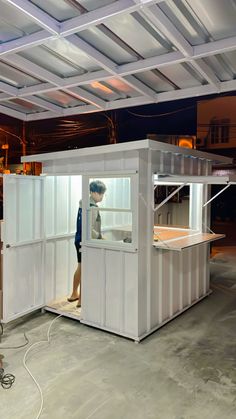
(109, 214)
(110, 225)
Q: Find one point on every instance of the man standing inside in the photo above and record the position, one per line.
(97, 189)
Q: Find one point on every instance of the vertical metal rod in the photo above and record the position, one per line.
(24, 144)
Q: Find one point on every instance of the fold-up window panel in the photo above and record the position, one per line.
(174, 240)
(207, 180)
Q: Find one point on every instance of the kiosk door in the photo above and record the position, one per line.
(23, 244)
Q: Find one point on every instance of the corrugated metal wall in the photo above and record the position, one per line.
(178, 279)
(62, 196)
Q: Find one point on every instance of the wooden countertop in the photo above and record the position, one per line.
(171, 238)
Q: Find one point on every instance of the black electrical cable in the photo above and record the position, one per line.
(14, 347)
(6, 380)
(17, 347)
(160, 114)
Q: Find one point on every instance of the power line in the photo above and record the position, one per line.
(161, 114)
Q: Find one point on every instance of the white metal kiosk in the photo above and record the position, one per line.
(153, 262)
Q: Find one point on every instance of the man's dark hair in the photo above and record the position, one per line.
(97, 186)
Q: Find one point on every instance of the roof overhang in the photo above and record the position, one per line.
(127, 146)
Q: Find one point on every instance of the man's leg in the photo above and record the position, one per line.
(76, 284)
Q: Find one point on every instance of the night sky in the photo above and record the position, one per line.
(177, 118)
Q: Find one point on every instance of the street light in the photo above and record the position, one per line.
(5, 146)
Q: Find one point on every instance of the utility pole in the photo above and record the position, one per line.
(5, 147)
(23, 142)
(111, 128)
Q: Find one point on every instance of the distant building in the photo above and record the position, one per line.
(216, 133)
(216, 123)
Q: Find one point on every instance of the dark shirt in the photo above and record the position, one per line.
(96, 233)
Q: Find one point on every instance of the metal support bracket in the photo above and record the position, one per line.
(220, 192)
(168, 197)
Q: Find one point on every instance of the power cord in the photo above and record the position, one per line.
(27, 369)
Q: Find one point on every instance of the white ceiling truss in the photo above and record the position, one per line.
(67, 57)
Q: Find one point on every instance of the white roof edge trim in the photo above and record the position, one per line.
(126, 146)
(192, 153)
(87, 151)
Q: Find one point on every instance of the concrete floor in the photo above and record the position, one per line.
(186, 370)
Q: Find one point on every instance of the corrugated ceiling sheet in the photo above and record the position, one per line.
(62, 56)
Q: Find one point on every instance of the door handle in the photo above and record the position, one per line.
(8, 245)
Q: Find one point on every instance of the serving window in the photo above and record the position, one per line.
(176, 210)
(179, 219)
